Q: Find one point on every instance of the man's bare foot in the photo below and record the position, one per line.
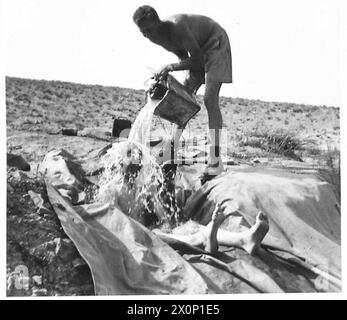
(211, 244)
(255, 235)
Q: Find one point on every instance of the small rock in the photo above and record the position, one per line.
(57, 248)
(37, 280)
(38, 202)
(48, 216)
(45, 252)
(65, 249)
(69, 132)
(230, 163)
(17, 177)
(78, 262)
(14, 160)
(36, 198)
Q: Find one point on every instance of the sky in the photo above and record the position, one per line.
(286, 50)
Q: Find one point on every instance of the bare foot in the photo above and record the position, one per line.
(211, 244)
(256, 233)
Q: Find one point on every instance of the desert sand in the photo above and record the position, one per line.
(270, 134)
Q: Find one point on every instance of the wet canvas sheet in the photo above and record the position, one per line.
(301, 252)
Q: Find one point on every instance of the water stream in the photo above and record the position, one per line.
(132, 179)
(141, 129)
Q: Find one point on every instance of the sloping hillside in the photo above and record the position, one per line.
(259, 133)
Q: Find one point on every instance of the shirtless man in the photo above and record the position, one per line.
(203, 48)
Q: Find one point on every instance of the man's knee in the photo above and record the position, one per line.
(211, 97)
(211, 102)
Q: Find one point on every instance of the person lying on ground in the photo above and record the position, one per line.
(211, 236)
(203, 48)
(126, 183)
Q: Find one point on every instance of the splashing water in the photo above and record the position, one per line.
(140, 132)
(132, 180)
(141, 129)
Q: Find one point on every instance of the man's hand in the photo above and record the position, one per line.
(163, 72)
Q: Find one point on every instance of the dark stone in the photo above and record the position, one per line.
(17, 161)
(69, 132)
(65, 249)
(231, 163)
(119, 125)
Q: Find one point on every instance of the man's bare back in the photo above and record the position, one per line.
(199, 27)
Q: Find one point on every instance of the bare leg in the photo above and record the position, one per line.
(248, 240)
(211, 100)
(211, 243)
(197, 239)
(211, 236)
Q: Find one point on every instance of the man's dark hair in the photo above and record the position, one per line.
(145, 13)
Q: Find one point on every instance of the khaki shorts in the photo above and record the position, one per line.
(218, 63)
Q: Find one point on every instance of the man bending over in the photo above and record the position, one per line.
(203, 48)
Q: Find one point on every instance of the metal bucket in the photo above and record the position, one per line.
(177, 105)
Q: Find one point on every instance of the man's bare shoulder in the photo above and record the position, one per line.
(182, 18)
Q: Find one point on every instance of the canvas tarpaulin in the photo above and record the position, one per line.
(301, 252)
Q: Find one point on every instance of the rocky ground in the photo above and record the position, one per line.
(41, 259)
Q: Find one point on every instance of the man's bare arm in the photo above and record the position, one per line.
(195, 60)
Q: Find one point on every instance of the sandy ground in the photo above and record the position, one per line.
(258, 134)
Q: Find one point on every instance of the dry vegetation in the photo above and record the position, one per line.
(259, 133)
